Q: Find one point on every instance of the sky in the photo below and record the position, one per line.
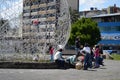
(10, 8)
(83, 4)
(99, 4)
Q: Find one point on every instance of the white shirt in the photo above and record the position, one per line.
(87, 49)
(58, 56)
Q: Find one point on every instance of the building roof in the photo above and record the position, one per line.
(105, 15)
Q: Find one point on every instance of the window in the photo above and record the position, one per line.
(50, 0)
(27, 4)
(110, 29)
(34, 10)
(26, 11)
(51, 7)
(35, 16)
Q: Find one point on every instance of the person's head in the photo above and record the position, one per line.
(77, 38)
(60, 48)
(96, 46)
(100, 45)
(50, 47)
(86, 45)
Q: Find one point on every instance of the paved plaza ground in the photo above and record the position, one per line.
(111, 71)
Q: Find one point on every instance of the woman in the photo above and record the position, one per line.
(51, 51)
(97, 55)
(59, 60)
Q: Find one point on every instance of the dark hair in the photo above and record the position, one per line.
(96, 46)
(86, 45)
(60, 50)
(50, 47)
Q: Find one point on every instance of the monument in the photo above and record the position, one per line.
(31, 26)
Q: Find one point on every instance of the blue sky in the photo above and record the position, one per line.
(7, 3)
(10, 8)
(99, 4)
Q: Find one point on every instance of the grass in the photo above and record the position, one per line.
(116, 56)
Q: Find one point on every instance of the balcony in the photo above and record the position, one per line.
(51, 18)
(42, 12)
(26, 14)
(26, 21)
(34, 6)
(34, 13)
(26, 7)
(51, 3)
(51, 11)
(42, 19)
(43, 5)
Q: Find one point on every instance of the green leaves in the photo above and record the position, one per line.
(87, 30)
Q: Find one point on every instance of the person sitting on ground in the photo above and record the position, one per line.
(59, 60)
(36, 58)
(72, 60)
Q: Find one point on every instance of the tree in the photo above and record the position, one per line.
(87, 30)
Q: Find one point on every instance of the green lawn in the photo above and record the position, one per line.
(116, 56)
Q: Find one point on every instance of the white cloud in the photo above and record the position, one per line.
(12, 13)
(91, 3)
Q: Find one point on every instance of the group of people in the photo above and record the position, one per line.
(89, 57)
(93, 56)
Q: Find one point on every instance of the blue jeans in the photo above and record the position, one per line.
(87, 61)
(51, 57)
(97, 62)
(77, 50)
(60, 63)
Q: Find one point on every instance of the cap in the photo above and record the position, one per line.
(60, 47)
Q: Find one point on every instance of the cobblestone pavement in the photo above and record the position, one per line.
(111, 71)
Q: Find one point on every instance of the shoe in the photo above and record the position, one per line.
(85, 69)
(102, 64)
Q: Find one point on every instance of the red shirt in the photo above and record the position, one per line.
(51, 50)
(97, 50)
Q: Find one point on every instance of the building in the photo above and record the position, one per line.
(74, 4)
(94, 11)
(113, 9)
(39, 18)
(40, 21)
(108, 20)
(91, 12)
(109, 25)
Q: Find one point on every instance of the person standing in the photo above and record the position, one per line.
(88, 59)
(77, 45)
(97, 56)
(101, 55)
(59, 60)
(51, 51)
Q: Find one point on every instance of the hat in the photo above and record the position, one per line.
(60, 47)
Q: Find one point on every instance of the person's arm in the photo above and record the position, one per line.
(61, 55)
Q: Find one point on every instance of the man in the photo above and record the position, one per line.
(58, 57)
(88, 60)
(77, 45)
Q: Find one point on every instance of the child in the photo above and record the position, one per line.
(51, 51)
